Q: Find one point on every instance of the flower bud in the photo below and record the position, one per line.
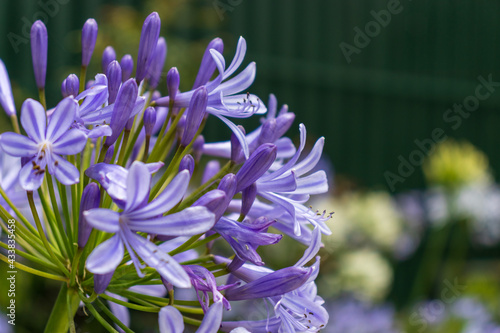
(114, 75)
(257, 164)
(108, 55)
(173, 81)
(39, 41)
(208, 66)
(267, 132)
(90, 199)
(211, 170)
(147, 44)
(149, 120)
(195, 113)
(70, 86)
(89, 37)
(187, 163)
(248, 196)
(101, 282)
(198, 147)
(125, 101)
(127, 65)
(157, 63)
(237, 155)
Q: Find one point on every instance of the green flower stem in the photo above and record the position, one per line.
(67, 217)
(121, 158)
(186, 245)
(132, 142)
(41, 94)
(25, 221)
(99, 318)
(163, 182)
(429, 265)
(162, 143)
(74, 267)
(35, 245)
(146, 149)
(33, 271)
(103, 152)
(199, 260)
(221, 273)
(112, 316)
(187, 309)
(65, 307)
(130, 305)
(15, 123)
(42, 234)
(50, 220)
(59, 224)
(188, 201)
(83, 77)
(31, 257)
(191, 321)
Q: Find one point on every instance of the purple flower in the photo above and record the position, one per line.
(157, 63)
(70, 86)
(89, 37)
(195, 113)
(6, 98)
(9, 181)
(39, 41)
(147, 44)
(108, 55)
(170, 320)
(204, 281)
(127, 65)
(263, 134)
(207, 67)
(45, 143)
(122, 110)
(114, 75)
(223, 98)
(141, 216)
(114, 179)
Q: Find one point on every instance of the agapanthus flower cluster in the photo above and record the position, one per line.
(116, 207)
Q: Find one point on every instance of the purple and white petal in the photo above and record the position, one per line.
(188, 222)
(62, 118)
(138, 180)
(71, 143)
(33, 119)
(212, 319)
(29, 178)
(172, 194)
(106, 257)
(65, 172)
(18, 145)
(170, 320)
(103, 219)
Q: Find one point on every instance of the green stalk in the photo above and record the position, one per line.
(33, 271)
(41, 94)
(31, 257)
(59, 224)
(15, 123)
(42, 234)
(113, 317)
(121, 158)
(99, 318)
(83, 76)
(65, 307)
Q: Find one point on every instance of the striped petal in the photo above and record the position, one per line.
(103, 219)
(72, 142)
(65, 172)
(138, 180)
(170, 320)
(18, 145)
(33, 119)
(62, 118)
(106, 257)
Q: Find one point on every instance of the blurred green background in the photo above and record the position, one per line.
(397, 89)
(371, 107)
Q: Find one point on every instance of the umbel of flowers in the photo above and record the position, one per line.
(102, 189)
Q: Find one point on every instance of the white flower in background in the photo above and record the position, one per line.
(364, 272)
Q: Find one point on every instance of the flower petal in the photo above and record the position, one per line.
(65, 172)
(212, 319)
(172, 194)
(29, 178)
(103, 219)
(241, 50)
(188, 222)
(6, 98)
(106, 257)
(18, 145)
(72, 142)
(154, 257)
(33, 119)
(138, 180)
(62, 118)
(170, 320)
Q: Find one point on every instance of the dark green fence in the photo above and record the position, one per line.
(394, 90)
